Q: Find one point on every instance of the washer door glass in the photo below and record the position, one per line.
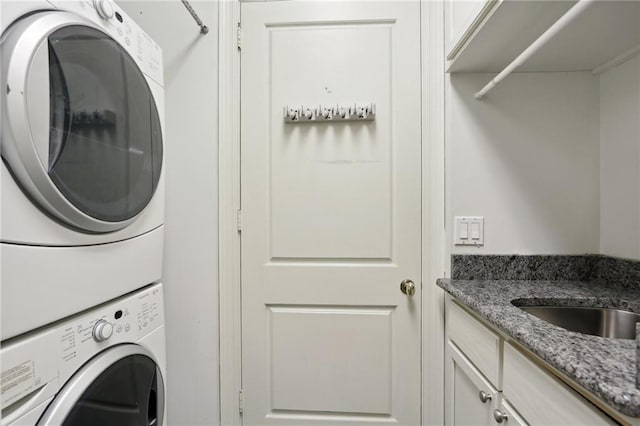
(105, 140)
(124, 394)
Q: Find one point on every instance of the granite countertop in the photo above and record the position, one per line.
(605, 367)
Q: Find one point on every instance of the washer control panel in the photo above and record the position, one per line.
(108, 15)
(55, 352)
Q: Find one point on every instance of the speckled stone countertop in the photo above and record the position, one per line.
(604, 367)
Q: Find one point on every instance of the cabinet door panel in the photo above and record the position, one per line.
(463, 384)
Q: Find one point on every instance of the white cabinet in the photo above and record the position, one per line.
(469, 398)
(514, 390)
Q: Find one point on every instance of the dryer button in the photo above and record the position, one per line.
(102, 330)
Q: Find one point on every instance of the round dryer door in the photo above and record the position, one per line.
(120, 386)
(81, 131)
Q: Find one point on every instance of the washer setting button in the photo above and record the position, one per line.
(104, 8)
(102, 330)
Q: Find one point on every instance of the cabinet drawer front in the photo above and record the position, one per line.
(476, 341)
(543, 399)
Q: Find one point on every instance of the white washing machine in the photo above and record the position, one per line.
(82, 188)
(102, 367)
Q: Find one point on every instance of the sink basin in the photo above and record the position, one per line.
(604, 322)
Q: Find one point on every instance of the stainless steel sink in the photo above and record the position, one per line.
(604, 322)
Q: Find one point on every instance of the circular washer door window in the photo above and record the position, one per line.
(121, 386)
(91, 152)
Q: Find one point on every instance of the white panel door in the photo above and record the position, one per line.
(331, 214)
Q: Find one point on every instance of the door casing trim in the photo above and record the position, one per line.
(433, 211)
(229, 296)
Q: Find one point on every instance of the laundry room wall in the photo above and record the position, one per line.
(526, 158)
(191, 223)
(620, 160)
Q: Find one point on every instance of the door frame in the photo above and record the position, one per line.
(433, 211)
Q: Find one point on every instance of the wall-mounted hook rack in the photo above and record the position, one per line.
(326, 113)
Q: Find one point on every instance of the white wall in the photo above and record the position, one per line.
(620, 160)
(190, 273)
(527, 159)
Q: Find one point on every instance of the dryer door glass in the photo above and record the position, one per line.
(124, 394)
(105, 140)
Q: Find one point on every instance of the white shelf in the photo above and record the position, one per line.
(604, 31)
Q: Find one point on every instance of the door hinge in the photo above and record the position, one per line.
(239, 37)
(239, 220)
(241, 401)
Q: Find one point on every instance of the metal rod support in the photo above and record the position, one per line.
(203, 28)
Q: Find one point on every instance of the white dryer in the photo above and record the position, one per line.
(103, 367)
(82, 182)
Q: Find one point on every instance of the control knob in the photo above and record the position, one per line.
(104, 8)
(102, 330)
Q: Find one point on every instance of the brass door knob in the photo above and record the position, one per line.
(408, 287)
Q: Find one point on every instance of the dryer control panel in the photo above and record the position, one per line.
(40, 362)
(122, 28)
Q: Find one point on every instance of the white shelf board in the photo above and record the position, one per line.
(602, 32)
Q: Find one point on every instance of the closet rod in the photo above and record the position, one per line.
(554, 29)
(203, 28)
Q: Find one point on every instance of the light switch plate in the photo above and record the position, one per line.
(469, 231)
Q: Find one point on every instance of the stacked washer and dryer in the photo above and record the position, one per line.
(81, 218)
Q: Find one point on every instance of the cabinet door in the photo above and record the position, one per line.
(464, 404)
